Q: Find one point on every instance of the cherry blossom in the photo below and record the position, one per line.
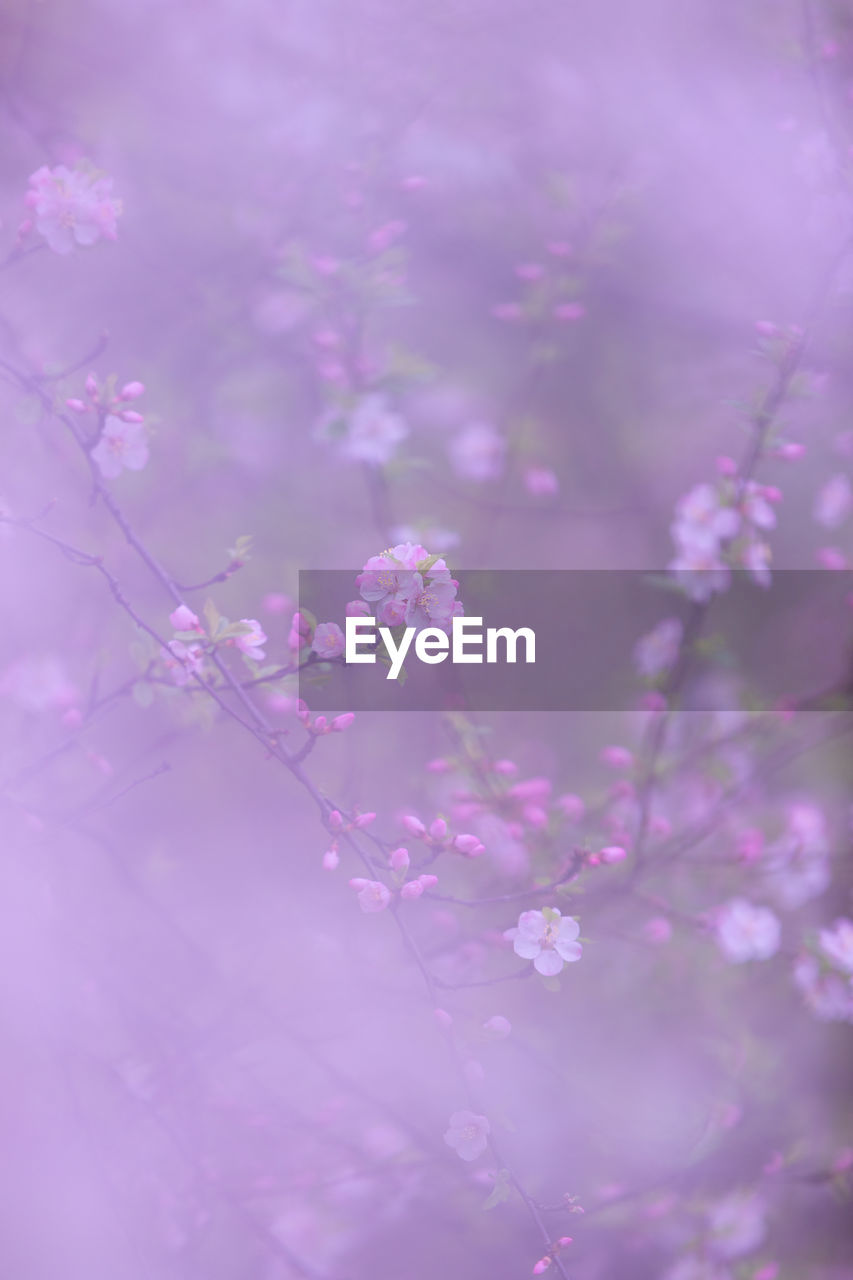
(72, 207)
(328, 640)
(250, 641)
(736, 1224)
(468, 1134)
(373, 431)
(120, 445)
(547, 938)
(657, 651)
(373, 895)
(834, 502)
(747, 932)
(477, 452)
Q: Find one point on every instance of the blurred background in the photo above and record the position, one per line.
(484, 275)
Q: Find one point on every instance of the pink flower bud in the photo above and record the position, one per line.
(439, 765)
(357, 609)
(564, 1241)
(131, 391)
(183, 619)
(413, 825)
(336, 820)
(469, 845)
(412, 889)
(617, 757)
(766, 328)
(791, 451)
(91, 385)
(399, 859)
(343, 721)
(331, 859)
(612, 853)
(535, 789)
(130, 415)
(77, 405)
(364, 820)
(428, 881)
(508, 768)
(438, 829)
(572, 806)
(321, 725)
(726, 465)
(542, 1265)
(498, 1026)
(657, 930)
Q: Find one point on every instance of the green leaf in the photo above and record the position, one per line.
(500, 1192)
(212, 617)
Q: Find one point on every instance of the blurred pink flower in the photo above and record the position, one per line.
(468, 1134)
(746, 932)
(121, 445)
(72, 207)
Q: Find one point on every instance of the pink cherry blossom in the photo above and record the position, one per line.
(250, 641)
(328, 640)
(747, 932)
(547, 938)
(72, 207)
(373, 431)
(373, 895)
(477, 452)
(468, 1134)
(834, 502)
(736, 1224)
(120, 445)
(657, 651)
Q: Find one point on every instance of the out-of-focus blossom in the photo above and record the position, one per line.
(372, 431)
(541, 482)
(121, 445)
(834, 501)
(468, 1134)
(183, 661)
(657, 651)
(796, 866)
(439, 538)
(747, 932)
(736, 1224)
(836, 945)
(38, 684)
(547, 938)
(477, 452)
(824, 974)
(72, 207)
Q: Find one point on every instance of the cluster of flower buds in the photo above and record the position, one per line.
(399, 860)
(544, 1263)
(107, 399)
(338, 823)
(321, 725)
(437, 836)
